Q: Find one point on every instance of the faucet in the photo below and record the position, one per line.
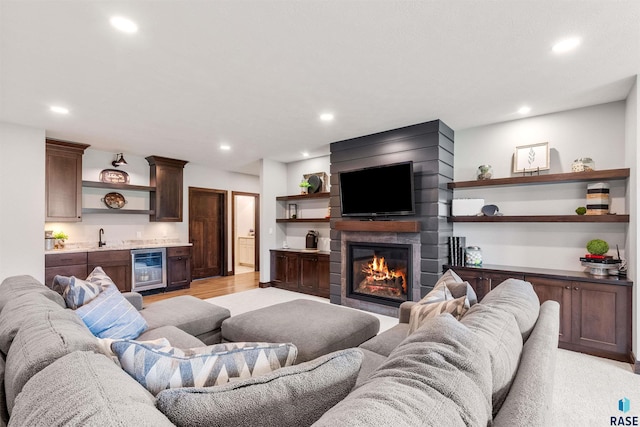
(100, 242)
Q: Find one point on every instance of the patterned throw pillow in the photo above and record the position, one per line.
(100, 278)
(110, 315)
(161, 368)
(79, 292)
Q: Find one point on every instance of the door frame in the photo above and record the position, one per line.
(223, 225)
(256, 221)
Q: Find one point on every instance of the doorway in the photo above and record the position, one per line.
(208, 231)
(245, 237)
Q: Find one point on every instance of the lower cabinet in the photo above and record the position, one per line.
(116, 265)
(595, 314)
(178, 267)
(66, 264)
(300, 272)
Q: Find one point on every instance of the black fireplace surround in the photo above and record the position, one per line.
(379, 272)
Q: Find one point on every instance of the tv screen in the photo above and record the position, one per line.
(378, 191)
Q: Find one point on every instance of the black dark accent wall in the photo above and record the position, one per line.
(430, 146)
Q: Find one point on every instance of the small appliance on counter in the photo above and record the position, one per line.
(312, 240)
(49, 240)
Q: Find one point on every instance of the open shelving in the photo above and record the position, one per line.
(121, 187)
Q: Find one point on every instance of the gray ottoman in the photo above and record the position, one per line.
(191, 314)
(316, 328)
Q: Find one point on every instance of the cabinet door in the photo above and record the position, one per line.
(323, 276)
(116, 265)
(556, 290)
(601, 317)
(309, 273)
(63, 181)
(178, 272)
(284, 270)
(496, 278)
(475, 278)
(166, 175)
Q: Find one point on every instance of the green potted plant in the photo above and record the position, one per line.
(304, 186)
(60, 237)
(597, 247)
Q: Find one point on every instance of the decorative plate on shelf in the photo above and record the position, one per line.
(114, 200)
(114, 176)
(315, 183)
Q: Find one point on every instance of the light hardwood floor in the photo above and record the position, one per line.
(212, 287)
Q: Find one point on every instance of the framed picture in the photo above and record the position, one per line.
(529, 158)
(293, 211)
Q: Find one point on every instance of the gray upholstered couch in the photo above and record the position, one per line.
(442, 374)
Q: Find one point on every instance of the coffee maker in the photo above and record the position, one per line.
(312, 240)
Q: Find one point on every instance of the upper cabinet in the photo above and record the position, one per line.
(63, 183)
(166, 175)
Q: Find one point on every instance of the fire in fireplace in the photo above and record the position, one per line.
(379, 272)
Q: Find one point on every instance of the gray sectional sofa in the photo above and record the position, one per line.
(448, 372)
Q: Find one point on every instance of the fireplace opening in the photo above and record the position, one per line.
(379, 272)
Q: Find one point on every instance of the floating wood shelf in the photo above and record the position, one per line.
(380, 226)
(304, 196)
(611, 174)
(541, 218)
(117, 211)
(114, 186)
(302, 220)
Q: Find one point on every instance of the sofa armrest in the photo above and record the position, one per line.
(405, 311)
(134, 298)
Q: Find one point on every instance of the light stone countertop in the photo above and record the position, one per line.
(117, 245)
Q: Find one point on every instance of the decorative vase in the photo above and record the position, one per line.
(485, 172)
(59, 244)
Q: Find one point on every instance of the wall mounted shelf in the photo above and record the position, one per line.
(302, 220)
(304, 196)
(542, 218)
(116, 211)
(110, 186)
(380, 226)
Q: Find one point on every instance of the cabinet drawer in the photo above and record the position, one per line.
(80, 271)
(179, 251)
(108, 256)
(58, 260)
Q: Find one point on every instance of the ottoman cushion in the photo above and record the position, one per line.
(315, 328)
(185, 312)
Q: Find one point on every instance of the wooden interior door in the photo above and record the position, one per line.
(207, 231)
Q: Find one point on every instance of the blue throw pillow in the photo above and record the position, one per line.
(110, 315)
(79, 292)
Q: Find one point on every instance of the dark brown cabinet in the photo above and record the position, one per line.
(178, 267)
(66, 264)
(483, 281)
(116, 265)
(300, 272)
(166, 175)
(595, 313)
(63, 181)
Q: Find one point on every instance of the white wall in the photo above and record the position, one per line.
(597, 132)
(22, 153)
(632, 161)
(273, 178)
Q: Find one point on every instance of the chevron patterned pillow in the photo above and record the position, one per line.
(79, 292)
(160, 368)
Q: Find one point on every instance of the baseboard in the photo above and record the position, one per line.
(230, 273)
(264, 284)
(636, 364)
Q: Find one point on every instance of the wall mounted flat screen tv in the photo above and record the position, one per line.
(378, 191)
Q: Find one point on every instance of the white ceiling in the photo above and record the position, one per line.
(256, 74)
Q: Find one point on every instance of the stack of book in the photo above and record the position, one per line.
(456, 250)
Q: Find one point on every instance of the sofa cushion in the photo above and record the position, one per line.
(85, 389)
(499, 333)
(385, 342)
(458, 287)
(176, 337)
(14, 286)
(440, 375)
(370, 363)
(293, 396)
(185, 312)
(518, 298)
(438, 301)
(169, 367)
(42, 339)
(109, 315)
(17, 311)
(4, 415)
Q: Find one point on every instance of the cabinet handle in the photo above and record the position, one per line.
(179, 258)
(576, 289)
(567, 287)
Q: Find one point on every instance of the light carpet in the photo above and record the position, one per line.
(586, 388)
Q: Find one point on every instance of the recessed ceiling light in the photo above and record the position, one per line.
(305, 154)
(566, 45)
(225, 147)
(326, 117)
(524, 110)
(124, 24)
(58, 109)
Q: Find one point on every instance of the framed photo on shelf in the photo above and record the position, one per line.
(531, 158)
(293, 211)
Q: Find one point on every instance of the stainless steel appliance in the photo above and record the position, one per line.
(148, 269)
